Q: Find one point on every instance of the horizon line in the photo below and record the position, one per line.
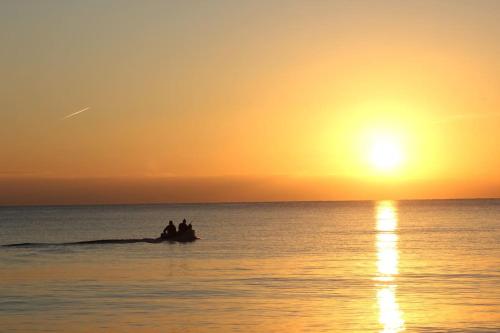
(237, 202)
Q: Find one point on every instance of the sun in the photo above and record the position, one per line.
(386, 153)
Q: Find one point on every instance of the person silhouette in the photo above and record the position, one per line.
(169, 231)
(183, 226)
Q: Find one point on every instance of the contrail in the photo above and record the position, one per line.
(75, 113)
(466, 116)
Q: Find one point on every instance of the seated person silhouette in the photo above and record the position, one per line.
(183, 226)
(170, 231)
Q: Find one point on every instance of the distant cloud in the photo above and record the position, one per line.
(75, 113)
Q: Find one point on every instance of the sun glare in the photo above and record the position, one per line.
(386, 153)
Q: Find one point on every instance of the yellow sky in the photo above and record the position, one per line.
(264, 100)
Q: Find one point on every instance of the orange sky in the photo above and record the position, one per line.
(256, 101)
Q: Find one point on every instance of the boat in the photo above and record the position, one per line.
(185, 237)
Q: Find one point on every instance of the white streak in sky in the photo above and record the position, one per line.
(75, 113)
(467, 116)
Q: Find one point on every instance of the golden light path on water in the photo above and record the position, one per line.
(390, 316)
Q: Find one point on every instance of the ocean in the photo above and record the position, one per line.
(387, 266)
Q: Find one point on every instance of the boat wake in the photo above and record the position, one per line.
(105, 241)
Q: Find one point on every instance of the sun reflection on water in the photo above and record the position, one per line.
(390, 316)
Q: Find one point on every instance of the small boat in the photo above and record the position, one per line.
(186, 236)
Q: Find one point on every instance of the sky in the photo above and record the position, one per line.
(206, 101)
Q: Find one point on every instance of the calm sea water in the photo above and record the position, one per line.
(419, 266)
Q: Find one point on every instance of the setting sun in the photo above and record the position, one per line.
(386, 153)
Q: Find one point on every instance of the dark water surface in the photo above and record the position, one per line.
(419, 266)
